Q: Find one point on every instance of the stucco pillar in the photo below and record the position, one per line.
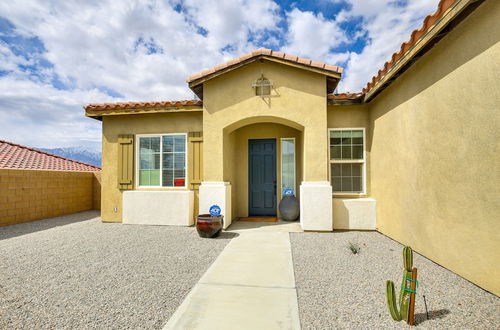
(316, 205)
(216, 193)
(316, 190)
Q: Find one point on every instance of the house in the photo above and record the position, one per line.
(414, 155)
(36, 185)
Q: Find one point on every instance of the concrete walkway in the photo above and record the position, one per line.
(251, 285)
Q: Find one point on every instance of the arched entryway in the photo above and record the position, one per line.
(260, 155)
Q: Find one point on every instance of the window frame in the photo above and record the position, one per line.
(348, 161)
(294, 166)
(137, 160)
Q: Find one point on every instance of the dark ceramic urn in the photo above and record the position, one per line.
(289, 208)
(209, 226)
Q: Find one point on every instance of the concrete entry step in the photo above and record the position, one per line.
(251, 285)
(279, 226)
(258, 219)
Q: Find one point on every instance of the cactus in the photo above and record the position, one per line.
(391, 301)
(404, 295)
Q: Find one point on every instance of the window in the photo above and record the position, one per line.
(288, 164)
(347, 160)
(162, 160)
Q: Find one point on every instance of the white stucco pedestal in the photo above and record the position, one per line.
(173, 208)
(316, 206)
(216, 193)
(354, 213)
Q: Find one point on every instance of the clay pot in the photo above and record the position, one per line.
(208, 226)
(289, 208)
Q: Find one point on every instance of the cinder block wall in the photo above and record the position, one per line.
(27, 195)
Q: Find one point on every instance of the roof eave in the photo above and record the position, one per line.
(98, 114)
(453, 15)
(356, 99)
(197, 85)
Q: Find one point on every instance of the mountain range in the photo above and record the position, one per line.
(78, 153)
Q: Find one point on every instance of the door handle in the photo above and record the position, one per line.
(274, 183)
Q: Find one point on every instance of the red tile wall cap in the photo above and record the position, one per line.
(415, 36)
(345, 96)
(141, 105)
(16, 156)
(266, 52)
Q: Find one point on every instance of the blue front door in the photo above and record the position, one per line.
(262, 177)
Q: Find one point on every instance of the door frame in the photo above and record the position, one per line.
(275, 178)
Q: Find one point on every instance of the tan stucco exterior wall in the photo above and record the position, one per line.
(28, 195)
(239, 167)
(112, 126)
(298, 100)
(348, 116)
(435, 152)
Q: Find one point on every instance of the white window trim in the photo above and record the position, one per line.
(294, 167)
(348, 161)
(137, 151)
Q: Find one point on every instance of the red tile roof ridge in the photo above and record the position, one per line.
(140, 105)
(85, 166)
(265, 52)
(415, 36)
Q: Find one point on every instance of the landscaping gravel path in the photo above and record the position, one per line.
(338, 289)
(76, 272)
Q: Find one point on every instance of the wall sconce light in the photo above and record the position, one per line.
(262, 86)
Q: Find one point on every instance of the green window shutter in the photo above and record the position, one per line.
(195, 165)
(195, 158)
(125, 162)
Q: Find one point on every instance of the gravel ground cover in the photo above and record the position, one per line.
(76, 272)
(339, 289)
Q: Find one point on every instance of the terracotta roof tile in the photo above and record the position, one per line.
(16, 156)
(305, 61)
(345, 96)
(317, 64)
(229, 63)
(221, 66)
(241, 58)
(415, 36)
(209, 71)
(257, 52)
(141, 105)
(265, 52)
(333, 68)
(279, 54)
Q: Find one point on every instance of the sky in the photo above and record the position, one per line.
(57, 56)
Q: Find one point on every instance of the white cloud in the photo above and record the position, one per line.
(384, 25)
(312, 35)
(8, 60)
(145, 49)
(39, 115)
(231, 22)
(142, 50)
(99, 43)
(387, 25)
